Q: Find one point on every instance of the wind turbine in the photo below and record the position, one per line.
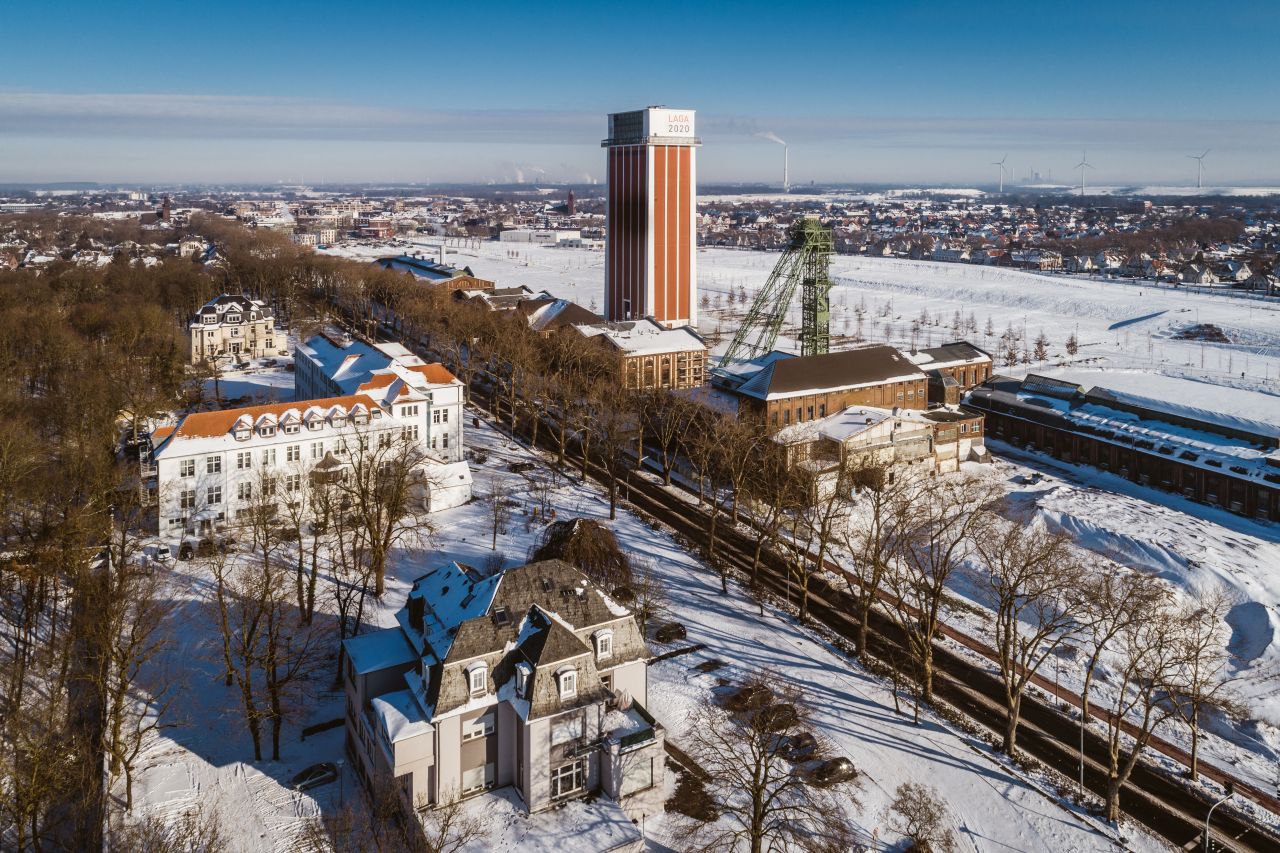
(1199, 158)
(1082, 165)
(1000, 163)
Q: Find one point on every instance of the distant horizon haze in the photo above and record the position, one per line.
(913, 93)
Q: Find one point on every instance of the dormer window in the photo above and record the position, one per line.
(478, 679)
(233, 318)
(242, 432)
(604, 645)
(360, 417)
(291, 428)
(523, 673)
(267, 430)
(568, 680)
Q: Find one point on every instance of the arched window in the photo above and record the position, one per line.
(568, 681)
(604, 644)
(478, 679)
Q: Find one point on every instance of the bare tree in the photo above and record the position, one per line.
(1030, 575)
(764, 803)
(1146, 658)
(919, 813)
(1110, 600)
(498, 497)
(947, 518)
(382, 485)
(1204, 675)
(871, 535)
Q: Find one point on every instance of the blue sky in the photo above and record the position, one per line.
(896, 92)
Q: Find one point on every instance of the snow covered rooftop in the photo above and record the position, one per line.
(1191, 436)
(644, 337)
(379, 650)
(399, 715)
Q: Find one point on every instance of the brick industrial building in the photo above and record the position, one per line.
(1228, 462)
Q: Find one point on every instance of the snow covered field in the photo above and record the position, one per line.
(891, 293)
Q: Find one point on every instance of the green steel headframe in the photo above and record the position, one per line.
(805, 265)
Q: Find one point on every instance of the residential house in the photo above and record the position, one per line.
(235, 327)
(530, 678)
(333, 364)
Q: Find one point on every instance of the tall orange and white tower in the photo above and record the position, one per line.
(650, 233)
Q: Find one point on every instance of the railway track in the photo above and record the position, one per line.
(1173, 810)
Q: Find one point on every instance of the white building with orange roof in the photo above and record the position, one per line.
(210, 467)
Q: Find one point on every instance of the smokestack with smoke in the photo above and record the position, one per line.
(773, 137)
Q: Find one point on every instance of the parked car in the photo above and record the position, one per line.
(669, 632)
(776, 718)
(799, 747)
(749, 698)
(315, 776)
(833, 771)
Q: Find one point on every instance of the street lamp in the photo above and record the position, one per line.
(1231, 791)
(342, 786)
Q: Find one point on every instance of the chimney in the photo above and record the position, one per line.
(417, 608)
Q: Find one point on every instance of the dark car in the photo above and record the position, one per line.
(833, 771)
(670, 632)
(800, 747)
(315, 776)
(749, 698)
(776, 718)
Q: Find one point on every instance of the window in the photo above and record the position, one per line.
(478, 679)
(568, 778)
(435, 416)
(266, 431)
(637, 775)
(411, 433)
(433, 442)
(568, 684)
(477, 779)
(244, 459)
(317, 449)
(214, 495)
(292, 482)
(444, 416)
(479, 727)
(187, 468)
(606, 681)
(244, 491)
(964, 427)
(523, 672)
(292, 427)
(408, 411)
(213, 464)
(604, 645)
(188, 499)
(444, 440)
(269, 455)
(293, 453)
(567, 729)
(235, 333)
(233, 318)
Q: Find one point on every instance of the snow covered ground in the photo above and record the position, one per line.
(890, 293)
(204, 755)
